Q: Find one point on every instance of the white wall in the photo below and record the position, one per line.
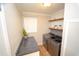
(58, 14)
(70, 40)
(14, 26)
(42, 26)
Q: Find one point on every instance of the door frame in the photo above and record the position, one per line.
(4, 34)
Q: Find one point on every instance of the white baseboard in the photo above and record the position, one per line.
(33, 54)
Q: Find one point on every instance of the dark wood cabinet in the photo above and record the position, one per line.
(45, 40)
(52, 46)
(50, 50)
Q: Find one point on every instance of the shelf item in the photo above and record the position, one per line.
(56, 28)
(56, 19)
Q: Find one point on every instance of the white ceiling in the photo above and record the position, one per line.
(38, 8)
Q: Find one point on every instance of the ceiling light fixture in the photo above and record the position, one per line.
(46, 4)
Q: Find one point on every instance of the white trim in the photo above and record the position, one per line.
(64, 38)
(39, 1)
(64, 35)
(4, 29)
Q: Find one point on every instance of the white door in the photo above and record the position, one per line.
(70, 42)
